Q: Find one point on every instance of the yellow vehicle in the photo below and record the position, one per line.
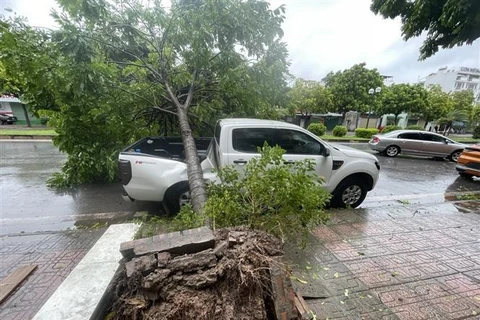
(468, 164)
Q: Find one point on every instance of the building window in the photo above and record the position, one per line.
(458, 85)
(473, 78)
(471, 86)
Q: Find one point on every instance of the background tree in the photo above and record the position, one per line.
(399, 98)
(90, 113)
(461, 110)
(448, 23)
(308, 96)
(448, 120)
(475, 117)
(350, 87)
(439, 104)
(463, 101)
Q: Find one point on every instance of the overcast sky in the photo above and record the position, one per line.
(329, 35)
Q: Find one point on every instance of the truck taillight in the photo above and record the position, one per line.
(125, 170)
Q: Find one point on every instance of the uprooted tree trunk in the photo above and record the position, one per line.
(198, 191)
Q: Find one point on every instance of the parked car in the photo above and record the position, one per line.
(468, 164)
(414, 142)
(7, 118)
(153, 169)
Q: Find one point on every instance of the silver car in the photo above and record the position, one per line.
(414, 142)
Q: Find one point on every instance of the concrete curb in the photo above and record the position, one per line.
(25, 137)
(81, 294)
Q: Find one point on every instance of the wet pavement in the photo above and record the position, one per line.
(411, 251)
(54, 254)
(27, 205)
(403, 261)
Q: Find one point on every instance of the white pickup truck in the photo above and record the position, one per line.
(153, 169)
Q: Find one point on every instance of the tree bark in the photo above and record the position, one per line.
(27, 117)
(198, 192)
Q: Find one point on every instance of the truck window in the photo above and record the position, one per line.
(250, 139)
(296, 142)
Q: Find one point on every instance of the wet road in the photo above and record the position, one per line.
(27, 205)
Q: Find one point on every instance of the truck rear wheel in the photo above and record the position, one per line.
(177, 196)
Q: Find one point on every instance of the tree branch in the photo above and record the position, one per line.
(152, 105)
(190, 91)
(174, 98)
(146, 65)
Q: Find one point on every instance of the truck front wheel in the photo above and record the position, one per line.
(349, 193)
(177, 196)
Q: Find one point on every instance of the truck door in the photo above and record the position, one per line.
(245, 144)
(299, 146)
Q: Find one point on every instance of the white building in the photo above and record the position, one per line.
(456, 80)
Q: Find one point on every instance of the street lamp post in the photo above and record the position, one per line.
(372, 92)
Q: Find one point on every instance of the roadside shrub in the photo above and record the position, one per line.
(44, 121)
(317, 128)
(285, 200)
(390, 128)
(476, 133)
(365, 133)
(339, 131)
(414, 128)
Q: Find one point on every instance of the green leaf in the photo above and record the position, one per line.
(299, 280)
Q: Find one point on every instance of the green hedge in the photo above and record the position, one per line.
(339, 131)
(317, 128)
(476, 133)
(390, 128)
(365, 133)
(414, 128)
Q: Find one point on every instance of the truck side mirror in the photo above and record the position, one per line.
(326, 152)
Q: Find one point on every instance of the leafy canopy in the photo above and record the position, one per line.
(309, 97)
(403, 97)
(350, 87)
(237, 62)
(448, 23)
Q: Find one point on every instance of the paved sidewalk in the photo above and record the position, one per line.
(56, 254)
(393, 262)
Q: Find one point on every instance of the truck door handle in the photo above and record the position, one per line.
(240, 161)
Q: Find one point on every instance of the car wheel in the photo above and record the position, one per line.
(3, 121)
(350, 193)
(392, 151)
(454, 156)
(465, 175)
(177, 197)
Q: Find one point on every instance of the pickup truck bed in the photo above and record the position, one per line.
(167, 147)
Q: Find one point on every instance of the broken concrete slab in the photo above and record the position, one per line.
(282, 291)
(183, 242)
(141, 264)
(194, 262)
(155, 278)
(163, 258)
